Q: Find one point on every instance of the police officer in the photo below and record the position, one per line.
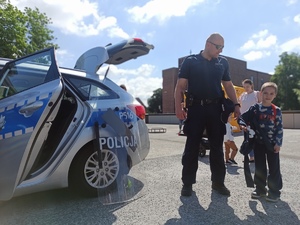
(202, 74)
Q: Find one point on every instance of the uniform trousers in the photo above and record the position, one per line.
(200, 118)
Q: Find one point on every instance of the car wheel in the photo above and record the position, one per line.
(202, 150)
(86, 176)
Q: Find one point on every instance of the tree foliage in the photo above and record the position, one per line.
(287, 77)
(155, 101)
(23, 33)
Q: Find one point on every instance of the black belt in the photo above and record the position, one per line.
(206, 101)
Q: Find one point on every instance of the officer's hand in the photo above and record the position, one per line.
(180, 113)
(237, 112)
(243, 128)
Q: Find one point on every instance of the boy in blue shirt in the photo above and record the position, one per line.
(266, 119)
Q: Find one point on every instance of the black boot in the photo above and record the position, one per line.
(220, 188)
(186, 190)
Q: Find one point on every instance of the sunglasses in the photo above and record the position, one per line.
(218, 47)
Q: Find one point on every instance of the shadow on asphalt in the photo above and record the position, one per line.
(218, 212)
(231, 169)
(234, 169)
(58, 207)
(275, 213)
(53, 207)
(204, 159)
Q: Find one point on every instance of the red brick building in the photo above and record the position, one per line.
(238, 72)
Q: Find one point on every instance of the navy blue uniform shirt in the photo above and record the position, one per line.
(204, 76)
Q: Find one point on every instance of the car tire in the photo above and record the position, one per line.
(202, 150)
(86, 177)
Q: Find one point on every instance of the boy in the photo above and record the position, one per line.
(229, 144)
(266, 119)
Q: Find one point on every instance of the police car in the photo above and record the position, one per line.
(64, 127)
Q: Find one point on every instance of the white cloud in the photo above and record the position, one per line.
(143, 87)
(261, 40)
(144, 70)
(79, 17)
(297, 19)
(255, 55)
(290, 19)
(140, 82)
(117, 32)
(61, 52)
(62, 56)
(292, 45)
(248, 45)
(161, 10)
(256, 47)
(267, 42)
(260, 34)
(291, 2)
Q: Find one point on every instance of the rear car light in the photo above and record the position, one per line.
(139, 110)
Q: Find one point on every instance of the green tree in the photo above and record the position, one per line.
(287, 77)
(297, 91)
(23, 33)
(155, 101)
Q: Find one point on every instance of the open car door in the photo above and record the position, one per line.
(31, 89)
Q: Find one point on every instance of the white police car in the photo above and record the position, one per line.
(64, 127)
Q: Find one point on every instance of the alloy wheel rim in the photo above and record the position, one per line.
(101, 177)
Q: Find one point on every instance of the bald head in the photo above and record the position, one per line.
(215, 37)
(213, 46)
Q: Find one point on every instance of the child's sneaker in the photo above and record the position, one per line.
(271, 198)
(228, 162)
(257, 195)
(232, 161)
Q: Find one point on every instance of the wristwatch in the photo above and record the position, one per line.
(237, 104)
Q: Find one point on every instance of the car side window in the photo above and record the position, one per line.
(90, 89)
(26, 74)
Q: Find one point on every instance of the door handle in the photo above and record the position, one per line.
(28, 110)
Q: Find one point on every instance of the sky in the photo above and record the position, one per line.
(255, 31)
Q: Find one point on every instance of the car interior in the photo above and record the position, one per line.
(59, 126)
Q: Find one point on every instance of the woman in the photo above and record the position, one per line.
(247, 99)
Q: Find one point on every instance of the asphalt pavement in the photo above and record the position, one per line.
(159, 200)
